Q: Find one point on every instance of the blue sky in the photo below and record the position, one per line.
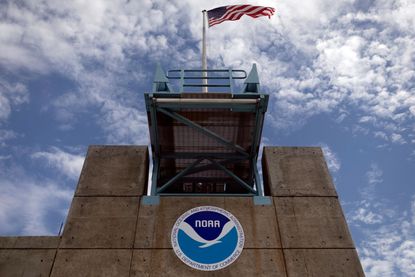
(340, 75)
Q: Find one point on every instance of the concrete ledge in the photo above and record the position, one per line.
(29, 242)
(99, 207)
(99, 233)
(89, 262)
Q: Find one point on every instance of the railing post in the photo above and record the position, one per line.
(181, 80)
(231, 80)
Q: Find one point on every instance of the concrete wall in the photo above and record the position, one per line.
(109, 232)
(314, 235)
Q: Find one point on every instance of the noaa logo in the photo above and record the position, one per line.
(207, 238)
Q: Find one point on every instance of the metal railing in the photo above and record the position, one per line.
(219, 78)
(209, 78)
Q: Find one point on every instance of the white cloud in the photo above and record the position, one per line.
(366, 118)
(387, 245)
(374, 175)
(124, 124)
(375, 267)
(357, 62)
(11, 95)
(66, 163)
(5, 108)
(397, 138)
(97, 45)
(380, 134)
(30, 206)
(314, 57)
(5, 157)
(365, 215)
(6, 135)
(25, 207)
(388, 251)
(332, 160)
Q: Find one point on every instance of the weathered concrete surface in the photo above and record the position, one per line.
(309, 214)
(29, 242)
(23, 262)
(99, 233)
(307, 222)
(304, 224)
(87, 207)
(101, 222)
(258, 222)
(252, 262)
(322, 262)
(155, 222)
(296, 171)
(114, 171)
(8, 242)
(92, 262)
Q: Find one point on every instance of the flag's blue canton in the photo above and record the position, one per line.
(216, 13)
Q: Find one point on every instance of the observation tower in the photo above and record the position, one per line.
(206, 143)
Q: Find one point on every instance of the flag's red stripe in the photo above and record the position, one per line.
(231, 10)
(251, 10)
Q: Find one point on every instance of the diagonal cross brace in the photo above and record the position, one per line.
(180, 174)
(205, 131)
(191, 169)
(211, 166)
(231, 174)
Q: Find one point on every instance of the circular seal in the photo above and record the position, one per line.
(207, 238)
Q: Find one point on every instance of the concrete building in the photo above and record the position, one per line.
(109, 231)
(204, 155)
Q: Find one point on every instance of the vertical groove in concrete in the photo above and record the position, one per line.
(279, 233)
(54, 257)
(134, 236)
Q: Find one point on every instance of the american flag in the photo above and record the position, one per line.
(235, 12)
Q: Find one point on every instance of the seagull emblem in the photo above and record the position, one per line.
(188, 230)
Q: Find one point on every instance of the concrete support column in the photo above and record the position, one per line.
(99, 233)
(314, 233)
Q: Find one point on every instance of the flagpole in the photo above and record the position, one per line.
(204, 60)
